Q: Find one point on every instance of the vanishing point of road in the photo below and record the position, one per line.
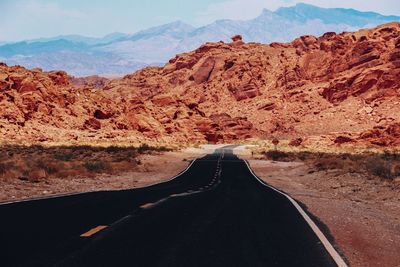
(215, 213)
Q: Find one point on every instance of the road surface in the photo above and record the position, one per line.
(216, 213)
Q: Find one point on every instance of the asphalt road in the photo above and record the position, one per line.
(216, 213)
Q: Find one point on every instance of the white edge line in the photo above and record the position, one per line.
(328, 246)
(100, 191)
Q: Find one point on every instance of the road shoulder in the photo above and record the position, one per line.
(363, 216)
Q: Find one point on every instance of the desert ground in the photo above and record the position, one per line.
(357, 210)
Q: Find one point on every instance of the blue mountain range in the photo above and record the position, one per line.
(119, 53)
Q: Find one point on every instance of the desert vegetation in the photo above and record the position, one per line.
(36, 163)
(385, 165)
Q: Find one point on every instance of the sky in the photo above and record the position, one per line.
(30, 19)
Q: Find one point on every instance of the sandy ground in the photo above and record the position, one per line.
(362, 213)
(153, 168)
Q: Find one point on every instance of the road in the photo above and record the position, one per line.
(216, 213)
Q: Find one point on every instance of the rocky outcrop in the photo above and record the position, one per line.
(221, 92)
(382, 136)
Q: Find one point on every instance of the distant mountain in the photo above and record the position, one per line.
(304, 12)
(120, 53)
(27, 49)
(83, 39)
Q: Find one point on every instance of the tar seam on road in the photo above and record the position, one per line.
(77, 194)
(328, 246)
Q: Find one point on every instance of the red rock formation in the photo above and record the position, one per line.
(343, 139)
(296, 142)
(237, 38)
(382, 136)
(220, 92)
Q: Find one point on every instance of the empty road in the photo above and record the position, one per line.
(216, 213)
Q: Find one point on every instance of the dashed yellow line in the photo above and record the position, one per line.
(94, 231)
(147, 206)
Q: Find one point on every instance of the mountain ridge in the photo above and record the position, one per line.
(125, 53)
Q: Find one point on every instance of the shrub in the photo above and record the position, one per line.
(330, 163)
(146, 148)
(4, 166)
(276, 155)
(49, 168)
(96, 166)
(143, 148)
(64, 156)
(162, 149)
(379, 168)
(113, 149)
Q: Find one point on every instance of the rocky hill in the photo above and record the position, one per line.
(341, 86)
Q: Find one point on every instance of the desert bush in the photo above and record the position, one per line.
(96, 166)
(276, 155)
(381, 165)
(63, 156)
(379, 168)
(4, 166)
(162, 149)
(143, 148)
(48, 167)
(304, 155)
(329, 163)
(131, 153)
(114, 149)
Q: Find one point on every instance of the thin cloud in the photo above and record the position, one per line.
(242, 10)
(236, 9)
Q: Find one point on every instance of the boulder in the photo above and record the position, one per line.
(203, 70)
(4, 82)
(237, 38)
(101, 115)
(343, 139)
(163, 100)
(296, 142)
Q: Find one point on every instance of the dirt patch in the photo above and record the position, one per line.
(361, 212)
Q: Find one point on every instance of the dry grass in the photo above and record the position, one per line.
(35, 163)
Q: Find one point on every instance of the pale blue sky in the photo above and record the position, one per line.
(28, 19)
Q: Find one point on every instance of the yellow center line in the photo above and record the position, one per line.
(147, 206)
(93, 231)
